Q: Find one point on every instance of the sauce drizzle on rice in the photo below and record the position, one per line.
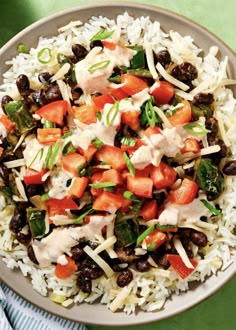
(113, 172)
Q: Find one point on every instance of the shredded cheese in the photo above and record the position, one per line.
(21, 139)
(105, 245)
(184, 95)
(119, 299)
(171, 79)
(150, 60)
(182, 253)
(21, 189)
(210, 150)
(65, 90)
(222, 129)
(15, 163)
(163, 117)
(106, 268)
(61, 72)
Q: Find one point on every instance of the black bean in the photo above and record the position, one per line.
(160, 197)
(115, 265)
(198, 238)
(31, 254)
(79, 51)
(38, 97)
(189, 171)
(23, 85)
(124, 278)
(188, 249)
(230, 168)
(222, 153)
(5, 100)
(163, 262)
(91, 271)
(23, 238)
(34, 189)
(4, 174)
(211, 196)
(96, 43)
(142, 266)
(44, 77)
(18, 220)
(84, 283)
(77, 253)
(163, 57)
(203, 98)
(185, 72)
(53, 94)
(184, 235)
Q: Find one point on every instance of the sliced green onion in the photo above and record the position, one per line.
(45, 197)
(40, 152)
(115, 79)
(151, 247)
(47, 157)
(44, 55)
(128, 141)
(195, 128)
(150, 113)
(145, 234)
(101, 35)
(98, 66)
(99, 115)
(48, 124)
(52, 159)
(102, 184)
(82, 172)
(211, 208)
(66, 135)
(129, 164)
(109, 189)
(129, 195)
(98, 143)
(82, 216)
(21, 48)
(68, 148)
(111, 115)
(165, 227)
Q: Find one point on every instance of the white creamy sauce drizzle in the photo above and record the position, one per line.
(97, 80)
(61, 240)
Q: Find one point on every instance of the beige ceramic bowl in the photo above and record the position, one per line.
(98, 314)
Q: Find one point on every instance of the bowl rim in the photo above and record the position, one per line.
(130, 4)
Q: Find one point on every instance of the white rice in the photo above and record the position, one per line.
(155, 286)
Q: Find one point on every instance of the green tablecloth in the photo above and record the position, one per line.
(217, 313)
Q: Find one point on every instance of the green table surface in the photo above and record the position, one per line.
(219, 311)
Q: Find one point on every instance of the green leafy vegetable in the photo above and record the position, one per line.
(201, 111)
(68, 148)
(36, 221)
(138, 60)
(209, 178)
(126, 232)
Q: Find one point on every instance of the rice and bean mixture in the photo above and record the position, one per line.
(117, 165)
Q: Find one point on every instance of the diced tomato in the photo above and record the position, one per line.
(73, 162)
(65, 203)
(151, 131)
(185, 194)
(88, 153)
(144, 172)
(54, 111)
(126, 204)
(100, 101)
(48, 135)
(1, 151)
(9, 125)
(111, 155)
(163, 93)
(110, 45)
(163, 175)
(118, 93)
(132, 84)
(78, 186)
(140, 186)
(112, 175)
(131, 149)
(108, 202)
(85, 113)
(179, 266)
(33, 177)
(149, 210)
(155, 239)
(182, 116)
(131, 118)
(64, 271)
(191, 145)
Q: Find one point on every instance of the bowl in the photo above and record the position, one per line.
(98, 314)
